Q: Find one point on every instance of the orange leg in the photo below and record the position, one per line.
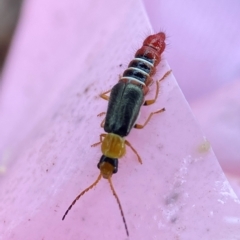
(139, 126)
(103, 135)
(165, 75)
(102, 123)
(104, 95)
(129, 144)
(149, 102)
(101, 114)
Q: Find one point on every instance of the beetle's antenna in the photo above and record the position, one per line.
(87, 189)
(119, 205)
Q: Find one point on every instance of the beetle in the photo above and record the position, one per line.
(124, 104)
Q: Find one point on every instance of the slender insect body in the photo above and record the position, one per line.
(125, 101)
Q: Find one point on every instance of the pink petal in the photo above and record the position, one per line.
(63, 56)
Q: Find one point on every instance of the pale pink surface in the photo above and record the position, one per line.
(222, 124)
(179, 192)
(204, 54)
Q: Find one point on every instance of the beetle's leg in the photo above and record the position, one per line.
(102, 136)
(104, 95)
(151, 101)
(139, 126)
(129, 144)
